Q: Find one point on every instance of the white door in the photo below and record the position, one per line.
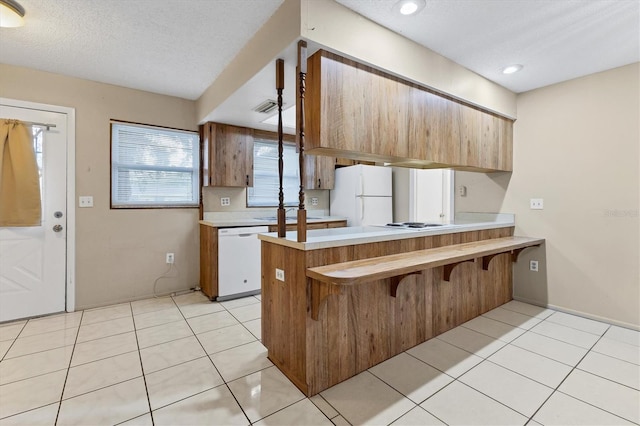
(432, 196)
(33, 259)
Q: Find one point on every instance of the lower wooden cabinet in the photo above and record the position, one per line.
(209, 252)
(209, 261)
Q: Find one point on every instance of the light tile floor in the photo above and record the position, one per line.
(188, 361)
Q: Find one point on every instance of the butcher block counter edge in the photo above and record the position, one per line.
(379, 268)
(398, 266)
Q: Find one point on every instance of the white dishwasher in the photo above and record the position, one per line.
(239, 271)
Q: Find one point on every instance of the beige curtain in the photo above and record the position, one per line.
(19, 179)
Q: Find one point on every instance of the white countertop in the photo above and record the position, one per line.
(338, 237)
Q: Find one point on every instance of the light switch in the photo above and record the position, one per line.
(85, 201)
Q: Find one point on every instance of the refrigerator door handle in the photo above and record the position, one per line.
(361, 210)
(361, 185)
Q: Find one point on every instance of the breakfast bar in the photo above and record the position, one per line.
(350, 298)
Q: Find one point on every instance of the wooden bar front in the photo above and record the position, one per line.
(363, 325)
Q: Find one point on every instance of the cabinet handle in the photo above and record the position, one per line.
(319, 184)
(247, 180)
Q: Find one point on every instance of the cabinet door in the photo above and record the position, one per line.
(209, 261)
(319, 172)
(359, 113)
(230, 155)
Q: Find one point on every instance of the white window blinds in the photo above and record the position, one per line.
(153, 167)
(265, 175)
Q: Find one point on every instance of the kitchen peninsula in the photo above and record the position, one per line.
(320, 330)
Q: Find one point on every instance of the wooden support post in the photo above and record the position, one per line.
(302, 75)
(282, 220)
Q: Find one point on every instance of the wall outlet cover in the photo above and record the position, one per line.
(536, 204)
(279, 274)
(225, 201)
(314, 201)
(85, 201)
(533, 265)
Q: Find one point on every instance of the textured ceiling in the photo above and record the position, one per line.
(178, 47)
(172, 47)
(555, 40)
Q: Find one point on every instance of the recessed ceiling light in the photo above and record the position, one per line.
(409, 7)
(511, 69)
(11, 14)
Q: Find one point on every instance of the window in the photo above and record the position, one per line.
(153, 167)
(265, 175)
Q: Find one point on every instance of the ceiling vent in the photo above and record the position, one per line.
(266, 107)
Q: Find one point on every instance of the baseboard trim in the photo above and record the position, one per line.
(579, 313)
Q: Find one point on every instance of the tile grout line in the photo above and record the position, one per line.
(262, 369)
(327, 402)
(66, 377)
(566, 377)
(14, 341)
(224, 381)
(144, 376)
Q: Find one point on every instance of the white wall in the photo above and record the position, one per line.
(576, 145)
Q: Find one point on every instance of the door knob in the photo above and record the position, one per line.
(57, 228)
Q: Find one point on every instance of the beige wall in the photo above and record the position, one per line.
(576, 145)
(119, 252)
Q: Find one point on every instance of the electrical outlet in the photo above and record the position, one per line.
(462, 191)
(171, 258)
(279, 274)
(533, 265)
(85, 201)
(314, 201)
(225, 201)
(536, 204)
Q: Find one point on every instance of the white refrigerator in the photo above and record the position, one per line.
(363, 194)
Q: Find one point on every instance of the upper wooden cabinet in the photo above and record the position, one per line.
(227, 155)
(354, 111)
(319, 171)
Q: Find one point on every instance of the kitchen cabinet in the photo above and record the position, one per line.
(227, 155)
(319, 172)
(334, 331)
(354, 111)
(209, 252)
(209, 261)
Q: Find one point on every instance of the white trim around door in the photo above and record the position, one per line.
(71, 189)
